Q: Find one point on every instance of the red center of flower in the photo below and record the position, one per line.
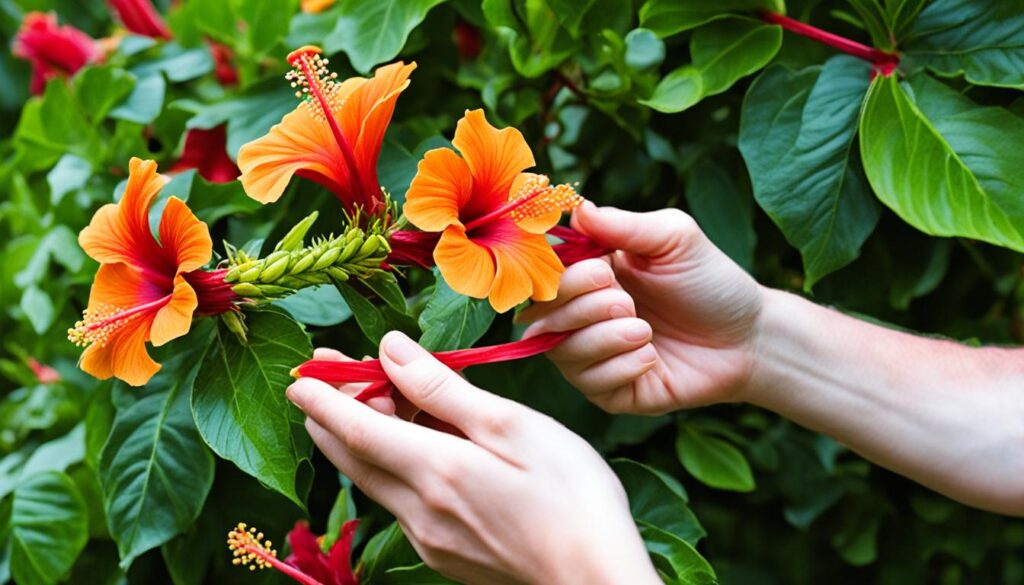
(320, 90)
(535, 198)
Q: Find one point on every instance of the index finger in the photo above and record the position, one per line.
(388, 442)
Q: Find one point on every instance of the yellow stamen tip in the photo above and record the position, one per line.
(294, 373)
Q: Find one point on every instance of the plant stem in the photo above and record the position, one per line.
(884, 61)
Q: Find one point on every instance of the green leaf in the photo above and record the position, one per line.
(321, 306)
(723, 52)
(944, 164)
(419, 574)
(668, 17)
(178, 63)
(876, 20)
(343, 510)
(239, 405)
(249, 115)
(982, 40)
(536, 41)
(59, 245)
(658, 500)
(371, 33)
(796, 136)
(52, 126)
(388, 548)
(451, 320)
(49, 528)
(266, 23)
(154, 470)
(38, 307)
(34, 458)
(371, 321)
(100, 88)
(724, 212)
(69, 175)
(145, 101)
(643, 49)
(385, 285)
(677, 561)
(713, 461)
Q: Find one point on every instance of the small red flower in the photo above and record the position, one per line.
(139, 17)
(223, 68)
(52, 50)
(43, 373)
(333, 568)
(206, 151)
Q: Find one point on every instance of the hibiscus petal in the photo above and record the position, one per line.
(527, 267)
(298, 143)
(175, 318)
(124, 355)
(306, 553)
(183, 237)
(535, 225)
(441, 187)
(121, 286)
(495, 158)
(466, 266)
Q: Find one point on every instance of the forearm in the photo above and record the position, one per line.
(946, 415)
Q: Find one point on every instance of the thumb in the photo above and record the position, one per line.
(652, 234)
(435, 388)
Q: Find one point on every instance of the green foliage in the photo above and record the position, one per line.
(894, 196)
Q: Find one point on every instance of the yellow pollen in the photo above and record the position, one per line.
(249, 549)
(98, 324)
(311, 75)
(539, 198)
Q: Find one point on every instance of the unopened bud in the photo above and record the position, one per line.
(338, 274)
(274, 270)
(246, 289)
(293, 239)
(327, 258)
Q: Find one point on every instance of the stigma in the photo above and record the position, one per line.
(100, 323)
(537, 197)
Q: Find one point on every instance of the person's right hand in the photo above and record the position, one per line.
(666, 322)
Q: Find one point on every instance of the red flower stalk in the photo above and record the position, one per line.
(206, 151)
(884, 61)
(141, 18)
(468, 39)
(223, 68)
(333, 568)
(43, 373)
(415, 248)
(371, 371)
(307, 564)
(52, 50)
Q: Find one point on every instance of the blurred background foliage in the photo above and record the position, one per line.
(644, 104)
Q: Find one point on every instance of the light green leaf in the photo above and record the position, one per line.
(643, 49)
(249, 115)
(796, 136)
(943, 164)
(100, 88)
(713, 461)
(38, 307)
(668, 17)
(178, 63)
(49, 528)
(34, 458)
(419, 574)
(452, 320)
(266, 23)
(371, 33)
(239, 405)
(58, 245)
(145, 101)
(723, 52)
(54, 125)
(677, 561)
(69, 175)
(321, 306)
(983, 40)
(723, 212)
(388, 548)
(154, 470)
(658, 500)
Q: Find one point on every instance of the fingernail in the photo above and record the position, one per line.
(601, 276)
(618, 312)
(638, 332)
(297, 393)
(647, 355)
(400, 348)
(588, 205)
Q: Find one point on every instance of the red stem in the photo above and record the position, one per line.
(282, 566)
(885, 61)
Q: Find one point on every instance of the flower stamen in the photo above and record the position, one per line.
(318, 87)
(100, 322)
(249, 549)
(535, 198)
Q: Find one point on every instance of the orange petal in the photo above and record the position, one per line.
(527, 267)
(466, 266)
(441, 187)
(364, 114)
(535, 225)
(495, 158)
(123, 356)
(120, 232)
(299, 143)
(184, 237)
(121, 286)
(175, 318)
(315, 6)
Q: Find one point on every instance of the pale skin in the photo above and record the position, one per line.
(667, 322)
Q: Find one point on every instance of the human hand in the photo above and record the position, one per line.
(520, 499)
(666, 322)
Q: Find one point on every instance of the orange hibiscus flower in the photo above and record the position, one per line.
(492, 216)
(333, 137)
(145, 290)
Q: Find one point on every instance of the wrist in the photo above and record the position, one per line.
(603, 564)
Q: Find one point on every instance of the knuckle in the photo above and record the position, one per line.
(502, 424)
(433, 382)
(357, 438)
(438, 496)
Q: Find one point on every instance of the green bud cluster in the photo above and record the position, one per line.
(356, 253)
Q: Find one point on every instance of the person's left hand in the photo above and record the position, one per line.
(520, 499)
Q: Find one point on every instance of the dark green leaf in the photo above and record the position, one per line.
(371, 33)
(388, 548)
(419, 574)
(451, 320)
(248, 115)
(385, 285)
(240, 408)
(658, 500)
(369, 318)
(724, 212)
(713, 461)
(154, 469)
(797, 137)
(675, 559)
(321, 306)
(942, 163)
(668, 17)
(49, 528)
